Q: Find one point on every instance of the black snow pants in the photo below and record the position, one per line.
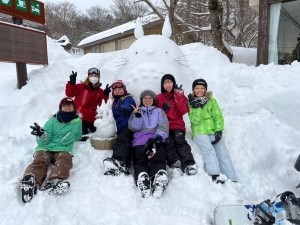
(122, 148)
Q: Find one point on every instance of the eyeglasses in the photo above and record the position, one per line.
(117, 85)
(94, 70)
(68, 106)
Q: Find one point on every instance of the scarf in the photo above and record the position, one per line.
(198, 102)
(66, 117)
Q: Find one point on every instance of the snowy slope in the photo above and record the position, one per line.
(261, 106)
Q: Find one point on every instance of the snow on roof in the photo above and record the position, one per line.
(119, 29)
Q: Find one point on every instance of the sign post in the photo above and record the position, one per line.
(19, 43)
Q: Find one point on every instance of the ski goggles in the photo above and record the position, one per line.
(117, 85)
(94, 70)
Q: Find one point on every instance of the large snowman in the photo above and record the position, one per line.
(149, 58)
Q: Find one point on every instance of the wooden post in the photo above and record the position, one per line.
(263, 33)
(20, 67)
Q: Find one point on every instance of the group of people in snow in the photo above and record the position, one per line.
(150, 134)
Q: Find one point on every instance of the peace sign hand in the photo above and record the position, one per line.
(136, 111)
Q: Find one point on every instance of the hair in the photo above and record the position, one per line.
(167, 77)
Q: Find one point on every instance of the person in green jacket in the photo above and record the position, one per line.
(207, 123)
(55, 144)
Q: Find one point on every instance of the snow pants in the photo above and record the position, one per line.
(122, 148)
(60, 170)
(141, 163)
(177, 148)
(216, 157)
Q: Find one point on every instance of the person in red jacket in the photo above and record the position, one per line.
(88, 95)
(178, 152)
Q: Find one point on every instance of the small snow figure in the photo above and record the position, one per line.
(106, 125)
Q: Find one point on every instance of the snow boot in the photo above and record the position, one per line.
(144, 184)
(28, 187)
(56, 186)
(176, 170)
(160, 183)
(217, 179)
(116, 165)
(112, 172)
(191, 170)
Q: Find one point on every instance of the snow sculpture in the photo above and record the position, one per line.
(105, 122)
(149, 58)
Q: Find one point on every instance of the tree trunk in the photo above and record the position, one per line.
(216, 12)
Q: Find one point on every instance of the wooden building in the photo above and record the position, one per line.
(121, 37)
(279, 31)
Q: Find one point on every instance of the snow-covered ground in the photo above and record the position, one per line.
(261, 106)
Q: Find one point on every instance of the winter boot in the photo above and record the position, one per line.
(160, 183)
(217, 179)
(176, 169)
(191, 170)
(112, 172)
(144, 184)
(116, 165)
(28, 187)
(56, 186)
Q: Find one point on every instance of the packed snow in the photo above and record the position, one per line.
(261, 107)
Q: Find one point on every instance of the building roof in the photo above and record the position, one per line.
(119, 31)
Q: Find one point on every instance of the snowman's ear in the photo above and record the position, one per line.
(138, 30)
(167, 30)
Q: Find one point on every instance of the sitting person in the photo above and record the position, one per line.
(88, 95)
(120, 162)
(207, 124)
(175, 104)
(151, 127)
(55, 144)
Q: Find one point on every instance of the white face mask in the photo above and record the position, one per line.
(93, 80)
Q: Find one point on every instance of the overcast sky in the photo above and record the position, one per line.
(85, 4)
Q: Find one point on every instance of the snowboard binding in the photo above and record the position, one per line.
(264, 214)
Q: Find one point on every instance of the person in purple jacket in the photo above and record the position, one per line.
(151, 127)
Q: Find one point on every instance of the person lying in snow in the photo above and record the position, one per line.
(151, 127)
(55, 144)
(120, 162)
(175, 105)
(88, 95)
(207, 123)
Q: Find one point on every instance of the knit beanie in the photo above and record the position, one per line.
(167, 77)
(147, 92)
(66, 100)
(199, 82)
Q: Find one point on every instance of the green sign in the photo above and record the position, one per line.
(21, 5)
(6, 2)
(35, 8)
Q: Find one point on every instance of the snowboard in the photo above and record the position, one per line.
(244, 214)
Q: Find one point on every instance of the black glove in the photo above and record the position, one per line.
(149, 149)
(125, 112)
(166, 106)
(38, 131)
(178, 88)
(73, 78)
(218, 136)
(193, 102)
(107, 90)
(138, 114)
(84, 138)
(157, 141)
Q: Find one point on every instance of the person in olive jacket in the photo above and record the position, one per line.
(55, 144)
(88, 95)
(207, 124)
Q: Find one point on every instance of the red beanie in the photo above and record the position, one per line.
(66, 100)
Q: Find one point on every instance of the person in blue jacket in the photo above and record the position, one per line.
(120, 162)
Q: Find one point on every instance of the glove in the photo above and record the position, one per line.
(149, 148)
(107, 90)
(157, 141)
(84, 138)
(178, 88)
(218, 136)
(125, 112)
(73, 78)
(193, 102)
(166, 106)
(38, 131)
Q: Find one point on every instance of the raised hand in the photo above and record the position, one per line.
(73, 78)
(38, 131)
(136, 111)
(178, 87)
